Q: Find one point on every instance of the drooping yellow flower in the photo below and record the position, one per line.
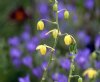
(68, 39)
(40, 25)
(42, 49)
(66, 14)
(90, 72)
(54, 32)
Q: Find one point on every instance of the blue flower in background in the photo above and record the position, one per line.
(30, 46)
(82, 58)
(44, 65)
(37, 72)
(43, 9)
(71, 8)
(65, 63)
(25, 36)
(42, 34)
(61, 6)
(59, 77)
(27, 61)
(15, 52)
(27, 28)
(24, 79)
(14, 41)
(97, 42)
(89, 4)
(83, 37)
(35, 40)
(16, 62)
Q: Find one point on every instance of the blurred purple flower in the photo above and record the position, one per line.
(15, 52)
(97, 64)
(97, 42)
(16, 62)
(60, 7)
(59, 77)
(83, 37)
(30, 46)
(25, 36)
(75, 18)
(82, 58)
(27, 61)
(44, 65)
(42, 9)
(71, 8)
(35, 40)
(37, 72)
(89, 4)
(65, 63)
(24, 79)
(14, 41)
(27, 28)
(42, 34)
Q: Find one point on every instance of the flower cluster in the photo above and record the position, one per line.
(65, 64)
(68, 40)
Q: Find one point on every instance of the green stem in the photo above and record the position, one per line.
(52, 53)
(71, 69)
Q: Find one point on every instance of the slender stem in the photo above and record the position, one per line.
(75, 76)
(62, 10)
(71, 69)
(57, 21)
(52, 53)
(48, 21)
(64, 34)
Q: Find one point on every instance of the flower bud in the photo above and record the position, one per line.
(40, 25)
(55, 7)
(66, 14)
(93, 55)
(55, 33)
(68, 40)
(42, 49)
(80, 79)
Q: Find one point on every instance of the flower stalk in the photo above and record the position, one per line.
(55, 42)
(71, 69)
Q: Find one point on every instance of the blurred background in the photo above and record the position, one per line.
(20, 62)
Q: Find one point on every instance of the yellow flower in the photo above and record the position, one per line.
(54, 33)
(40, 25)
(66, 14)
(68, 39)
(90, 72)
(42, 49)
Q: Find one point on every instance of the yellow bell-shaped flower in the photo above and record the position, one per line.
(40, 25)
(54, 32)
(42, 49)
(68, 39)
(90, 72)
(66, 14)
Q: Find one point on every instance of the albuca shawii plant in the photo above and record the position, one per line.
(56, 33)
